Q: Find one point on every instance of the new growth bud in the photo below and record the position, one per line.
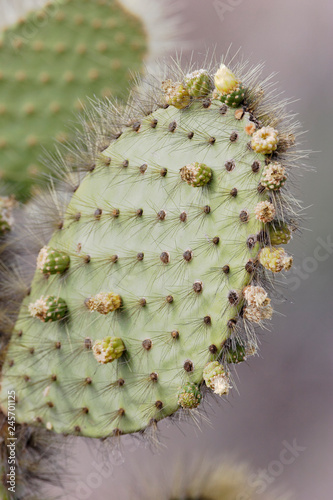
(196, 174)
(108, 349)
(216, 378)
(189, 396)
(265, 140)
(104, 302)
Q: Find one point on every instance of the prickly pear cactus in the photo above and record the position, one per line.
(50, 62)
(161, 283)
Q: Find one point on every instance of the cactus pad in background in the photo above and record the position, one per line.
(166, 245)
(50, 62)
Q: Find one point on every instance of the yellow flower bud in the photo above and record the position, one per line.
(225, 80)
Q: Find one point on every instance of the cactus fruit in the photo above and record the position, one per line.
(77, 50)
(104, 302)
(48, 309)
(108, 349)
(258, 304)
(216, 378)
(238, 353)
(265, 211)
(165, 278)
(50, 261)
(189, 396)
(198, 83)
(176, 94)
(279, 233)
(275, 259)
(256, 296)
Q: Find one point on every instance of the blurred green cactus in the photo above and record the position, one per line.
(81, 48)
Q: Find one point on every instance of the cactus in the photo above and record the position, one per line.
(196, 174)
(275, 259)
(165, 244)
(51, 60)
(176, 94)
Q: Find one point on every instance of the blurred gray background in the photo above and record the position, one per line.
(285, 395)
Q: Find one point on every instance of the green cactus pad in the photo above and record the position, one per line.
(178, 258)
(79, 48)
(108, 349)
(274, 176)
(104, 302)
(176, 94)
(275, 259)
(211, 370)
